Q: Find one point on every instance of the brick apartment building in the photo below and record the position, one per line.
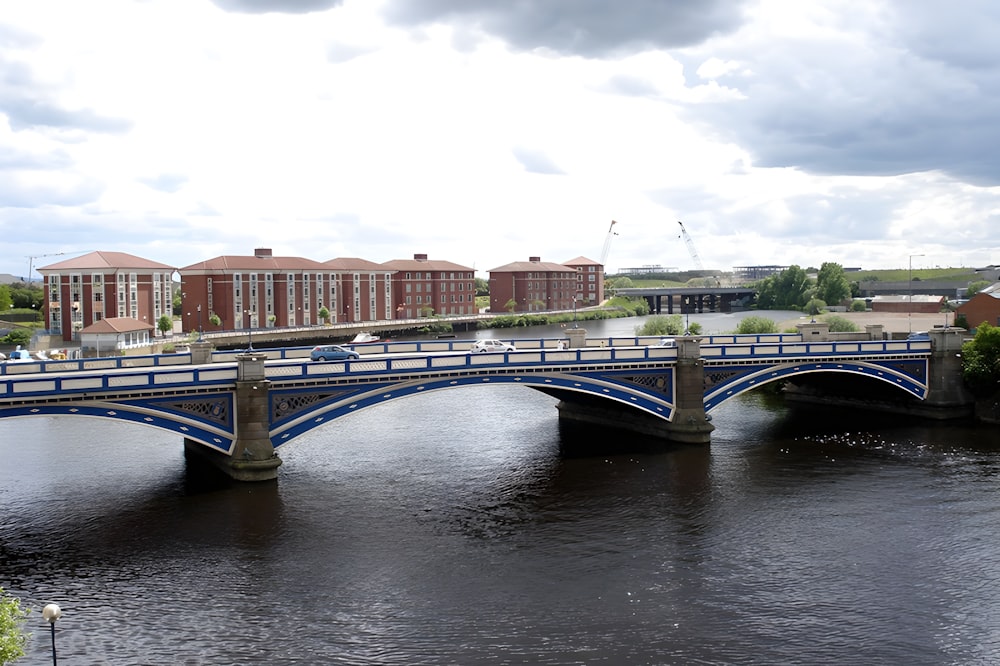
(536, 285)
(422, 286)
(105, 285)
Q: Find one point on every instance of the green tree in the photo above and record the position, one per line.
(981, 360)
(975, 287)
(6, 302)
(832, 285)
(214, 319)
(17, 336)
(482, 287)
(815, 306)
(12, 637)
(323, 314)
(858, 305)
(165, 323)
(757, 325)
(788, 290)
(510, 305)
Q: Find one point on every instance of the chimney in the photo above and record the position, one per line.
(262, 252)
(420, 257)
(535, 260)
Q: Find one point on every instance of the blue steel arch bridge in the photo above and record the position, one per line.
(242, 408)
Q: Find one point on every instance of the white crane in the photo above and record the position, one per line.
(31, 262)
(690, 246)
(607, 244)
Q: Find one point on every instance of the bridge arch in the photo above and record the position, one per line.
(725, 382)
(296, 411)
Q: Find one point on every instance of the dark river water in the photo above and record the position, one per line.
(464, 527)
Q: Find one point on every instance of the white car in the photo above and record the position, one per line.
(483, 346)
(666, 342)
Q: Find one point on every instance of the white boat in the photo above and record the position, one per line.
(364, 338)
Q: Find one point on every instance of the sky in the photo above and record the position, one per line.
(485, 132)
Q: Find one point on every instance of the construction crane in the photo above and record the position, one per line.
(690, 246)
(607, 244)
(31, 262)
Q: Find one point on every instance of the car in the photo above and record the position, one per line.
(483, 346)
(666, 342)
(332, 353)
(919, 335)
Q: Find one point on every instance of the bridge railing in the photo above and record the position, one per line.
(159, 378)
(799, 349)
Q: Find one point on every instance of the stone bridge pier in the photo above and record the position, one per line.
(690, 425)
(253, 457)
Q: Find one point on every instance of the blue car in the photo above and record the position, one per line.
(332, 353)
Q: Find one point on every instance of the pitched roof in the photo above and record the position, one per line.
(104, 261)
(581, 261)
(533, 266)
(424, 265)
(117, 325)
(353, 263)
(242, 263)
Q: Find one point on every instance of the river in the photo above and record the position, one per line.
(464, 527)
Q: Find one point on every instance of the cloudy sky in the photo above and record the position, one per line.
(487, 131)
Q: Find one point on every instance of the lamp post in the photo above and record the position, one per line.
(909, 305)
(200, 339)
(50, 614)
(249, 314)
(575, 325)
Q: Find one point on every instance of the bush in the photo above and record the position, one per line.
(661, 325)
(841, 324)
(12, 637)
(758, 325)
(858, 305)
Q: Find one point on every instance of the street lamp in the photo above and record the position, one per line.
(249, 314)
(200, 339)
(574, 313)
(909, 306)
(50, 614)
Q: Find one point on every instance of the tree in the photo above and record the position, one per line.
(788, 290)
(6, 302)
(482, 287)
(981, 360)
(214, 319)
(510, 306)
(832, 285)
(165, 323)
(324, 314)
(12, 637)
(976, 287)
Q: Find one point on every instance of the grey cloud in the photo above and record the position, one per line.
(276, 6)
(579, 27)
(22, 101)
(921, 93)
(535, 161)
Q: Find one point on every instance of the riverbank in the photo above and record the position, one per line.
(892, 322)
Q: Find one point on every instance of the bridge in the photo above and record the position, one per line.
(239, 408)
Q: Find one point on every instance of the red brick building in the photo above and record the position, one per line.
(533, 286)
(983, 307)
(359, 290)
(589, 280)
(422, 287)
(922, 303)
(103, 285)
(257, 291)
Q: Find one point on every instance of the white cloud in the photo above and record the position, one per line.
(788, 133)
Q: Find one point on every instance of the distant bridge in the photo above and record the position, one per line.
(240, 408)
(691, 299)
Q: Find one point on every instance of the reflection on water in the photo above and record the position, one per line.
(465, 527)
